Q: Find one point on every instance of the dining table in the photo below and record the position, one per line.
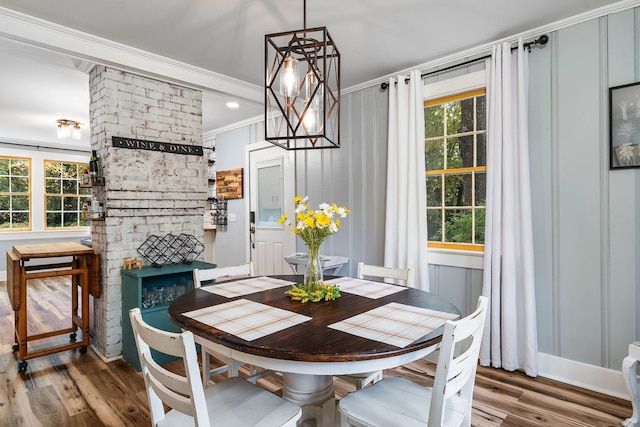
(372, 326)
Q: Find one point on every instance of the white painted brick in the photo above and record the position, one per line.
(146, 193)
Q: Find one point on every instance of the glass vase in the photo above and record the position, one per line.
(313, 270)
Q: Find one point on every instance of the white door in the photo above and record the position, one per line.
(271, 186)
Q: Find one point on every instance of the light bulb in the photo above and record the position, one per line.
(64, 131)
(76, 133)
(311, 120)
(61, 129)
(289, 77)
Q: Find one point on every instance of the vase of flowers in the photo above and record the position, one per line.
(313, 270)
(313, 227)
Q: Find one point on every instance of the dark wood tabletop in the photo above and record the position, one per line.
(311, 341)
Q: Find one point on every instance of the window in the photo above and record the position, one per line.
(15, 193)
(455, 160)
(64, 197)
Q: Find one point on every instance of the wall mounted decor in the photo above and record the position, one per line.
(166, 147)
(624, 126)
(229, 184)
(219, 212)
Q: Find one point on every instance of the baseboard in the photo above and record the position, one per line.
(591, 377)
(102, 356)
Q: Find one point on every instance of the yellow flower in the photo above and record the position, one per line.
(338, 223)
(323, 220)
(309, 222)
(282, 219)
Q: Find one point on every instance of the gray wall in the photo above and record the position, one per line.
(586, 217)
(354, 176)
(231, 240)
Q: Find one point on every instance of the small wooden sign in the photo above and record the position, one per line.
(141, 144)
(229, 184)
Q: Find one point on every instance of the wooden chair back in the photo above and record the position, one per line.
(405, 275)
(456, 369)
(182, 393)
(221, 273)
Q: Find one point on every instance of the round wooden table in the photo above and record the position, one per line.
(309, 354)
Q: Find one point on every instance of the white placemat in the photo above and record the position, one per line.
(365, 288)
(246, 319)
(393, 323)
(248, 286)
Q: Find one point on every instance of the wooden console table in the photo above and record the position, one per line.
(331, 265)
(84, 270)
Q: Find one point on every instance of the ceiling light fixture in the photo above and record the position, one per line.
(302, 89)
(69, 129)
(233, 105)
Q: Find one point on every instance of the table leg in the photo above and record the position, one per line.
(316, 396)
(630, 375)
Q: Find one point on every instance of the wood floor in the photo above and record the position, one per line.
(73, 389)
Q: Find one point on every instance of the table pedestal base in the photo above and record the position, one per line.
(630, 375)
(314, 394)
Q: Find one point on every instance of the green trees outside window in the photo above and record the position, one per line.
(15, 193)
(455, 161)
(64, 197)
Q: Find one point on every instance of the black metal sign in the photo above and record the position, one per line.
(166, 147)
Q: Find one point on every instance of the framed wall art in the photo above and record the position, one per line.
(624, 126)
(229, 184)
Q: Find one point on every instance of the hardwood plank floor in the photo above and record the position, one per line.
(73, 389)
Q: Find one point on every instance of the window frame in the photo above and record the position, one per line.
(437, 90)
(62, 195)
(29, 194)
(37, 153)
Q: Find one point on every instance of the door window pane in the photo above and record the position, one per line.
(269, 196)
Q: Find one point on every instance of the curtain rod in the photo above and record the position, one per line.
(542, 40)
(41, 147)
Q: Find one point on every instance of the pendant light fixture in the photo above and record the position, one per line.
(302, 89)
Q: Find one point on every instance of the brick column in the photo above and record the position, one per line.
(146, 192)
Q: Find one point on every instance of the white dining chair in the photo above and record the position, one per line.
(398, 401)
(220, 274)
(223, 404)
(401, 276)
(397, 276)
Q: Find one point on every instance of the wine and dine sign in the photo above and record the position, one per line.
(165, 147)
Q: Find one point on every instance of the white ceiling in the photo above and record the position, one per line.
(375, 38)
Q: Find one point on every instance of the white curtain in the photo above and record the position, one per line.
(510, 338)
(406, 217)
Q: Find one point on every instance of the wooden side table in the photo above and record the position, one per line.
(84, 271)
(630, 375)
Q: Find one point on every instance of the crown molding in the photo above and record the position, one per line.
(485, 49)
(236, 125)
(97, 50)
